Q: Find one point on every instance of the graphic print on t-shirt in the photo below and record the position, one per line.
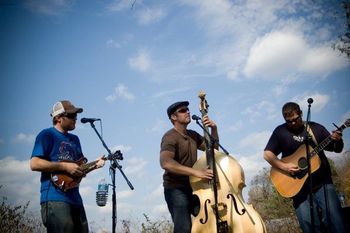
(298, 138)
(67, 151)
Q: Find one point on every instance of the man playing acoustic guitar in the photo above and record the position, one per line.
(56, 152)
(287, 139)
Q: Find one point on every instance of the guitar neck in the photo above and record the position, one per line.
(87, 167)
(325, 142)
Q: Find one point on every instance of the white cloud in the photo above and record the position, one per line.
(239, 21)
(150, 15)
(119, 5)
(122, 92)
(319, 101)
(50, 7)
(252, 165)
(86, 190)
(159, 126)
(113, 44)
(230, 31)
(232, 75)
(111, 98)
(346, 116)
(251, 113)
(274, 55)
(170, 92)
(158, 192)
(264, 109)
(161, 209)
(141, 62)
(267, 107)
(279, 90)
(321, 61)
(19, 183)
(255, 141)
(218, 11)
(236, 126)
(135, 166)
(25, 138)
(125, 193)
(281, 54)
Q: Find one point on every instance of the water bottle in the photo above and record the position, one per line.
(102, 193)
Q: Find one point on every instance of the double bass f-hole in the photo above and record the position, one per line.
(206, 212)
(235, 204)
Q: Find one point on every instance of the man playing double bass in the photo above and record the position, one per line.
(178, 154)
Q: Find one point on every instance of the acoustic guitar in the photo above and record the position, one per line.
(65, 181)
(288, 185)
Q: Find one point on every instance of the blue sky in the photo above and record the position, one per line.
(126, 61)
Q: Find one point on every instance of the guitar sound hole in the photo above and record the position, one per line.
(302, 163)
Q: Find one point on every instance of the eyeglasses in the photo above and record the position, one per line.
(182, 110)
(293, 120)
(70, 115)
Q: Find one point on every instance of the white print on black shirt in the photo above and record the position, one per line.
(298, 138)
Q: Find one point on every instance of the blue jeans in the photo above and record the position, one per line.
(180, 204)
(333, 220)
(60, 217)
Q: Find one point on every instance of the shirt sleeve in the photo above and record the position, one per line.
(167, 144)
(42, 145)
(273, 144)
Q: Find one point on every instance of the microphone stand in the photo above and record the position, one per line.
(112, 168)
(212, 139)
(308, 158)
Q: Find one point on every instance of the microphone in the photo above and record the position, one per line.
(90, 120)
(195, 117)
(102, 193)
(310, 100)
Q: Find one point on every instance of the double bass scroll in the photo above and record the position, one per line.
(222, 208)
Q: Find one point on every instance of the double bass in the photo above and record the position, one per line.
(222, 208)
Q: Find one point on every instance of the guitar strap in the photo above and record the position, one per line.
(322, 158)
(309, 130)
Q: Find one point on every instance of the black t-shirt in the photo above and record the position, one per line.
(286, 142)
(185, 149)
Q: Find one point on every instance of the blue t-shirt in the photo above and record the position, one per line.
(52, 145)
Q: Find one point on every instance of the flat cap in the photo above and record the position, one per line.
(172, 108)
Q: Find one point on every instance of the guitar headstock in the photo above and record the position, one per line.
(347, 123)
(203, 105)
(115, 156)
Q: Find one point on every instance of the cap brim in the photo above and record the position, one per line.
(75, 110)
